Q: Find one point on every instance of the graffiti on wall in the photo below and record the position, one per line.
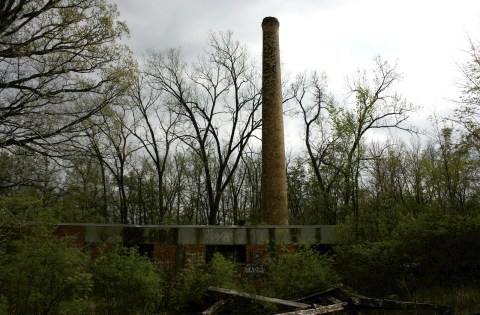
(255, 262)
(194, 254)
(218, 237)
(162, 236)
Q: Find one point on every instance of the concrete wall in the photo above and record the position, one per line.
(174, 245)
(207, 235)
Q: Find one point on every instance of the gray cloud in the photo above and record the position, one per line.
(426, 37)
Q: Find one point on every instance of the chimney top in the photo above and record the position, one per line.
(271, 21)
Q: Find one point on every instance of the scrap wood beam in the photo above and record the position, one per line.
(236, 294)
(320, 293)
(215, 308)
(365, 302)
(320, 309)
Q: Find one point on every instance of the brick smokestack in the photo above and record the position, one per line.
(274, 176)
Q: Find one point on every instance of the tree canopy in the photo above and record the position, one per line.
(61, 61)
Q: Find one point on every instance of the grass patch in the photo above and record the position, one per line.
(464, 299)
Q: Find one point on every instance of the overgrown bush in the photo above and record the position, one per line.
(43, 275)
(224, 272)
(125, 283)
(428, 250)
(293, 272)
(290, 272)
(376, 268)
(189, 287)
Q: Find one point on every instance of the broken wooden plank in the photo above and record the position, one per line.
(333, 300)
(320, 293)
(365, 302)
(215, 308)
(320, 309)
(237, 294)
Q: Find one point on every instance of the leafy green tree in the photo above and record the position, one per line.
(125, 283)
(85, 191)
(451, 167)
(17, 170)
(396, 183)
(468, 113)
(335, 135)
(42, 274)
(29, 185)
(376, 106)
(60, 63)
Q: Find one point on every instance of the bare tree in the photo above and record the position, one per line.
(154, 125)
(314, 105)
(252, 167)
(217, 100)
(110, 142)
(59, 64)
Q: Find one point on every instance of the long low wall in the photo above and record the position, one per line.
(176, 244)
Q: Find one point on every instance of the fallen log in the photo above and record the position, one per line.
(236, 294)
(333, 300)
(320, 309)
(215, 308)
(365, 302)
(320, 293)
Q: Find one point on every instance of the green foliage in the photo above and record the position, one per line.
(189, 286)
(289, 273)
(23, 204)
(43, 275)
(447, 246)
(85, 192)
(428, 250)
(293, 272)
(373, 267)
(71, 41)
(125, 283)
(224, 272)
(464, 299)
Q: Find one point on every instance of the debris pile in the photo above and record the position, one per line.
(330, 300)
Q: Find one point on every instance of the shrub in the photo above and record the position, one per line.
(44, 275)
(224, 272)
(190, 285)
(377, 268)
(293, 272)
(125, 283)
(428, 250)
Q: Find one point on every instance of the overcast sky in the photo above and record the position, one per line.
(426, 37)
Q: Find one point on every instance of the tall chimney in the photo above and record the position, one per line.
(274, 175)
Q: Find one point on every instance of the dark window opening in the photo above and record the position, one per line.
(324, 249)
(143, 249)
(146, 250)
